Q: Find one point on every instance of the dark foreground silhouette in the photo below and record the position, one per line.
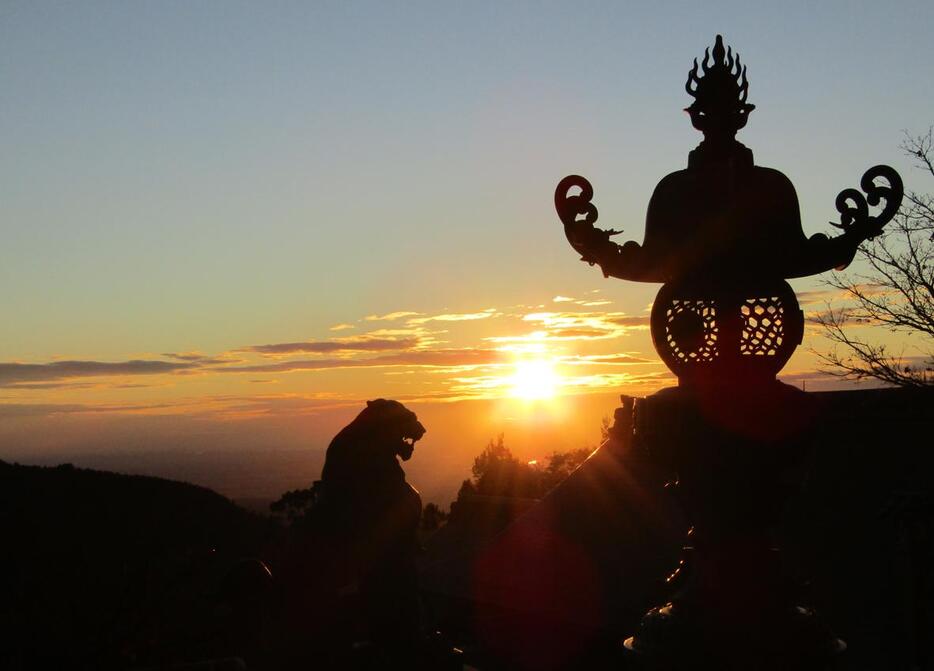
(370, 514)
(349, 574)
(724, 235)
(108, 571)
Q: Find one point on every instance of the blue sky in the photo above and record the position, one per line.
(218, 155)
(211, 176)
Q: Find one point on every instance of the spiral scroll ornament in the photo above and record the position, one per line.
(853, 206)
(578, 214)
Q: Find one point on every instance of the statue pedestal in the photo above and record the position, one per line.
(735, 456)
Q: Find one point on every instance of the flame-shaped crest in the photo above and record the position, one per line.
(720, 93)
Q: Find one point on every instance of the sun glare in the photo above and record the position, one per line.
(534, 380)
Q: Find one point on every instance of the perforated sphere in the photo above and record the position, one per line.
(706, 332)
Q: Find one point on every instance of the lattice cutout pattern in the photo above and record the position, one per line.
(763, 326)
(706, 349)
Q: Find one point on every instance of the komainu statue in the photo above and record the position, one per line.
(369, 511)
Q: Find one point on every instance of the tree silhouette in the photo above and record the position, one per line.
(497, 472)
(433, 517)
(896, 293)
(294, 505)
(561, 465)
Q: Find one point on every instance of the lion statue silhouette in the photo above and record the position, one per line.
(373, 514)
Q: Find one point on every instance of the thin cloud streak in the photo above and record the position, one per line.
(357, 344)
(571, 326)
(391, 316)
(13, 373)
(427, 358)
(829, 295)
(440, 358)
(202, 359)
(455, 317)
(610, 359)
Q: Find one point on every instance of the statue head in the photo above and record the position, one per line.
(719, 108)
(392, 426)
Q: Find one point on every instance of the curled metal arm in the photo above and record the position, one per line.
(578, 215)
(853, 207)
(822, 253)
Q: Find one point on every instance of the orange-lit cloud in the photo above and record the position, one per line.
(609, 359)
(473, 356)
(455, 317)
(199, 358)
(73, 385)
(442, 358)
(391, 316)
(593, 304)
(570, 326)
(363, 343)
(641, 322)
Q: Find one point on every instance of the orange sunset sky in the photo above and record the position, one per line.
(224, 227)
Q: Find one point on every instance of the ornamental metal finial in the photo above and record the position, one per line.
(720, 93)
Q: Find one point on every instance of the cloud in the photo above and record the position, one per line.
(392, 333)
(611, 359)
(851, 317)
(341, 327)
(184, 356)
(15, 373)
(817, 296)
(364, 343)
(40, 386)
(199, 358)
(8, 410)
(604, 381)
(562, 299)
(266, 405)
(456, 317)
(805, 375)
(577, 333)
(593, 304)
(46, 409)
(630, 321)
(444, 358)
(576, 326)
(66, 384)
(391, 316)
(480, 386)
(829, 295)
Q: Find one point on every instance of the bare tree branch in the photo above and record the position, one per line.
(897, 293)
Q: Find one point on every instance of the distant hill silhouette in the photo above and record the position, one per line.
(103, 570)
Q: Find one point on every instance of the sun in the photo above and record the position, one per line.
(534, 380)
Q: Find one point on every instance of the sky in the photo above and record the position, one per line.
(225, 225)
